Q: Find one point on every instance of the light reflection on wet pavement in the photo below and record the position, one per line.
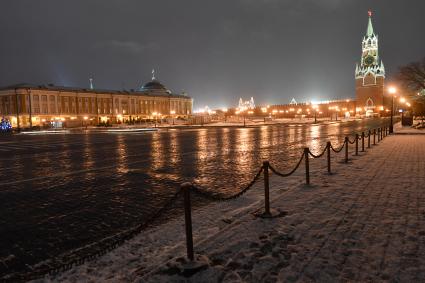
(61, 192)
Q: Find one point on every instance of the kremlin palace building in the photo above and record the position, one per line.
(49, 105)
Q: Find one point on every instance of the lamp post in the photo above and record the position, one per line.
(392, 90)
(172, 112)
(155, 115)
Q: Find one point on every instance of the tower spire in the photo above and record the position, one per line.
(91, 83)
(153, 74)
(369, 24)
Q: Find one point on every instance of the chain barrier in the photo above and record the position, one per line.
(338, 150)
(291, 172)
(204, 193)
(319, 155)
(91, 251)
(351, 142)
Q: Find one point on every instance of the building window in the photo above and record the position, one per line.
(44, 104)
(93, 105)
(86, 105)
(36, 102)
(117, 106)
(52, 104)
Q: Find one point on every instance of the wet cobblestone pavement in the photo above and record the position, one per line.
(63, 191)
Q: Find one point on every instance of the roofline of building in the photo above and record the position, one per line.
(52, 87)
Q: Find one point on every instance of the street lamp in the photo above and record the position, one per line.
(172, 112)
(392, 91)
(155, 115)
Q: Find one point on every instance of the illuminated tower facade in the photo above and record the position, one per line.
(370, 76)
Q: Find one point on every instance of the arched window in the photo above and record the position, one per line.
(369, 103)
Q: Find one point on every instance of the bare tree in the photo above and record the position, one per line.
(412, 75)
(412, 78)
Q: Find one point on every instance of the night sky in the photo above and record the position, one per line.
(216, 51)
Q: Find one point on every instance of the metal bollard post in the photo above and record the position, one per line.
(357, 144)
(346, 149)
(266, 188)
(328, 145)
(188, 219)
(368, 139)
(374, 136)
(379, 136)
(307, 166)
(362, 141)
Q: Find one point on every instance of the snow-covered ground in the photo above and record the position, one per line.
(406, 130)
(364, 223)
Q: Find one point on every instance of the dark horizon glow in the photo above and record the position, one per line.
(215, 51)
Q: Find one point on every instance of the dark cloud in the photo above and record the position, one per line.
(217, 50)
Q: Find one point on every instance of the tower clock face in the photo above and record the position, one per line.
(369, 60)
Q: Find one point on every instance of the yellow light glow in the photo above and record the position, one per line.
(392, 90)
(85, 117)
(402, 100)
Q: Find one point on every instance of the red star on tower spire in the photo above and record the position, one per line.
(369, 13)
